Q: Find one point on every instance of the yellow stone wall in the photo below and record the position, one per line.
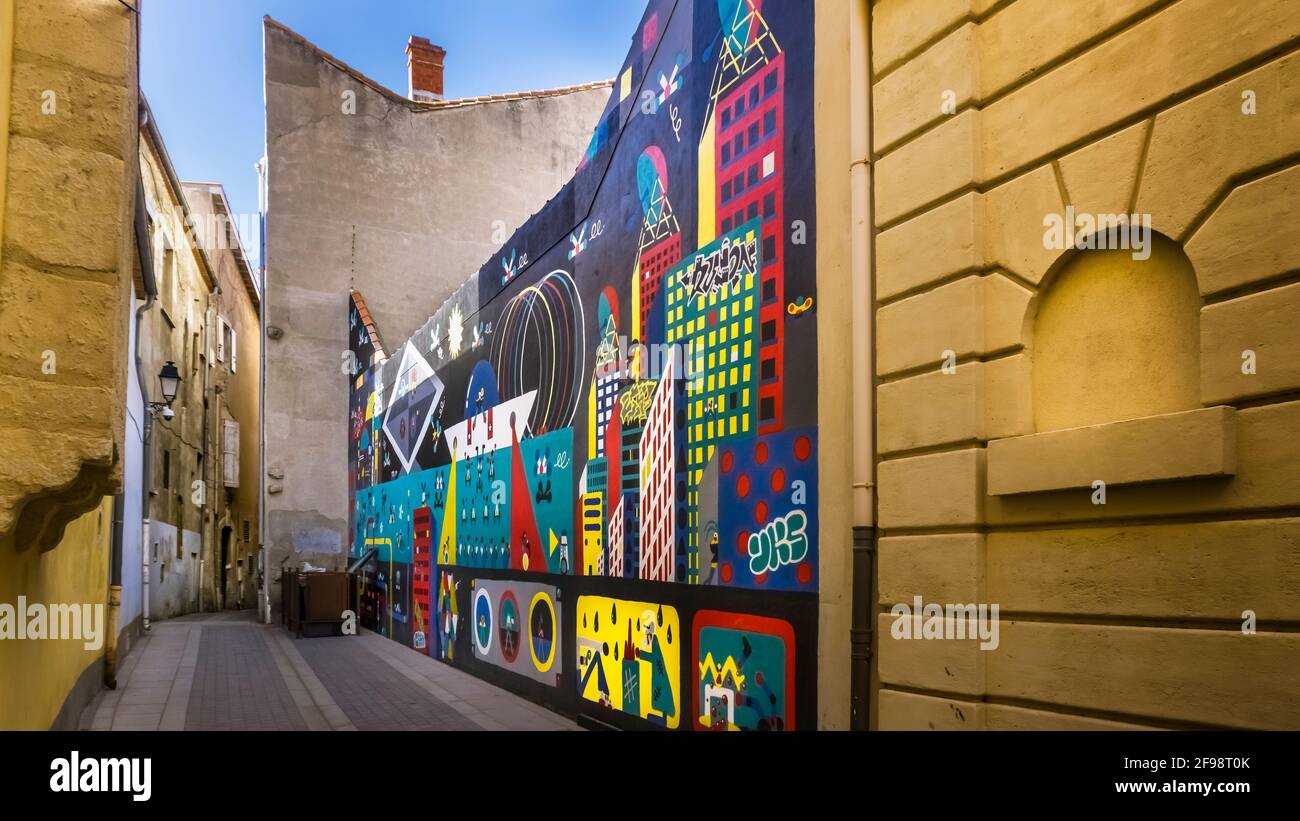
(68, 90)
(1071, 367)
(65, 260)
(37, 675)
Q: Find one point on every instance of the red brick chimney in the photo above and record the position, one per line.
(424, 68)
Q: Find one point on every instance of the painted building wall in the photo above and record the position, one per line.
(67, 160)
(131, 606)
(359, 187)
(1171, 378)
(592, 475)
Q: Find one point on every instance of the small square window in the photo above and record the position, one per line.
(767, 408)
(769, 205)
(769, 83)
(769, 123)
(769, 249)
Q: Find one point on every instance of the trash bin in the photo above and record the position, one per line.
(315, 598)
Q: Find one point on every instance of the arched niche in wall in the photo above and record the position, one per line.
(1115, 337)
(1114, 347)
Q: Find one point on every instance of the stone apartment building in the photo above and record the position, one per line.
(397, 196)
(234, 401)
(178, 329)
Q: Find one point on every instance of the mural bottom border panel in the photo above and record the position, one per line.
(625, 653)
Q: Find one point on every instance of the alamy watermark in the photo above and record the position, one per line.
(1082, 231)
(65, 622)
(946, 621)
(77, 774)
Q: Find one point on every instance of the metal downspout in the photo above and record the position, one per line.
(862, 292)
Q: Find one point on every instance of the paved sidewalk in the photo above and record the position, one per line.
(225, 671)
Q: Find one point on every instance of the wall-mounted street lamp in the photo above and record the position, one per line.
(169, 379)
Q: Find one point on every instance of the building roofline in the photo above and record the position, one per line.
(430, 105)
(375, 341)
(154, 137)
(241, 258)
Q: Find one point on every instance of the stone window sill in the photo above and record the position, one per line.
(1192, 444)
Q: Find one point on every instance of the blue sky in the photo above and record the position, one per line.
(201, 62)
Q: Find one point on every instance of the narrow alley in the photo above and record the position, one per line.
(226, 671)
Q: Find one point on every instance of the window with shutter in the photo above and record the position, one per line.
(234, 349)
(230, 453)
(221, 339)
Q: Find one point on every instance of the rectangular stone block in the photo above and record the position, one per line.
(1029, 34)
(949, 666)
(1213, 677)
(936, 490)
(932, 408)
(1260, 329)
(940, 162)
(1006, 717)
(97, 38)
(1150, 449)
(53, 103)
(71, 215)
(913, 711)
(1204, 570)
(976, 315)
(976, 402)
(915, 95)
(946, 567)
(928, 247)
(900, 27)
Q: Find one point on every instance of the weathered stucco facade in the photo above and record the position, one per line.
(234, 402)
(398, 199)
(67, 191)
(1110, 454)
(177, 329)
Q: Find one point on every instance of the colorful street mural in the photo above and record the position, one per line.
(610, 430)
(630, 660)
(745, 672)
(516, 626)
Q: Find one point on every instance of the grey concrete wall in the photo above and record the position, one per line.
(398, 201)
